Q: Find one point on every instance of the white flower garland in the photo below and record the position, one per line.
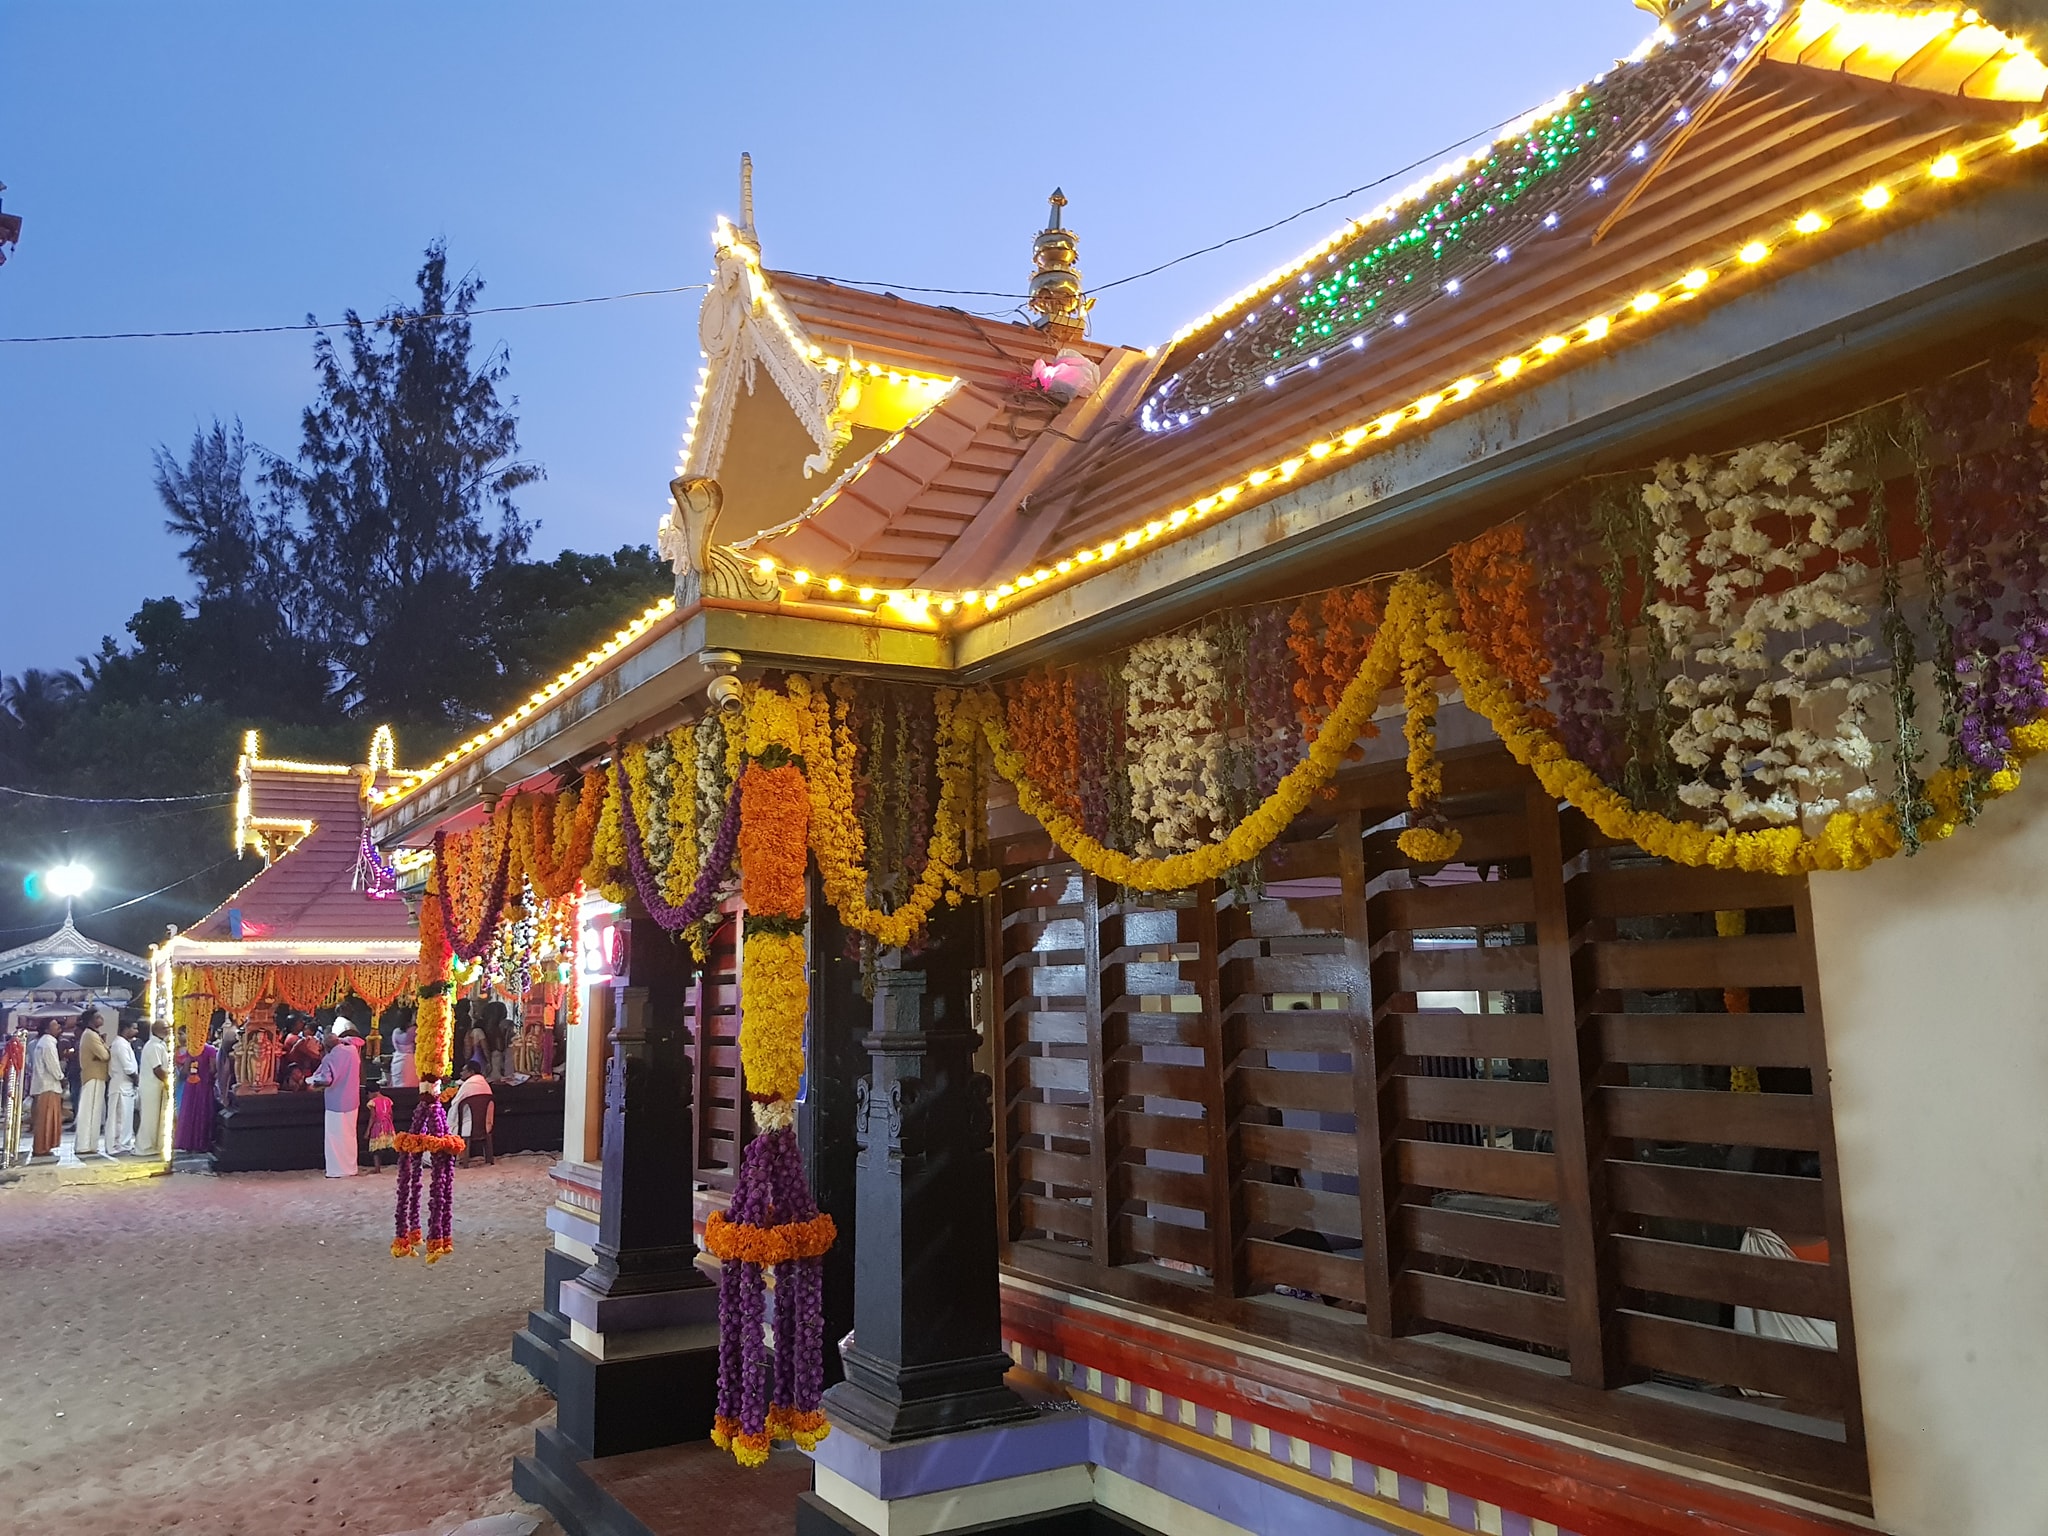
(1175, 707)
(1729, 717)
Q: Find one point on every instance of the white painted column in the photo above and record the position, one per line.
(1934, 982)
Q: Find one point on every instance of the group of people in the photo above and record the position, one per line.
(118, 1099)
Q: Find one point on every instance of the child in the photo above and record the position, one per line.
(381, 1132)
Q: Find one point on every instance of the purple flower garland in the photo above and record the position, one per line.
(760, 1397)
(405, 1242)
(704, 895)
(466, 950)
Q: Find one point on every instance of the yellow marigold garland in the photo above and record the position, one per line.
(1428, 841)
(606, 869)
(1421, 613)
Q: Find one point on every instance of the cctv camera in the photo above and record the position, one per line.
(724, 693)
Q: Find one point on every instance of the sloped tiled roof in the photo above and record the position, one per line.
(1787, 137)
(890, 517)
(308, 893)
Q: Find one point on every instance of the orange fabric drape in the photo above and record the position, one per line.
(307, 987)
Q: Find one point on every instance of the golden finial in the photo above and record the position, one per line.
(1056, 293)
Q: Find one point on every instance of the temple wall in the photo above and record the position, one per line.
(1932, 979)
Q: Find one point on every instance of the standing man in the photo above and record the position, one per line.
(340, 1077)
(121, 1086)
(405, 1071)
(93, 1056)
(46, 1091)
(155, 1082)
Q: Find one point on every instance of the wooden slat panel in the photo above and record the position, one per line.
(1045, 1026)
(1670, 888)
(1367, 1060)
(1301, 1029)
(1163, 1186)
(1488, 1239)
(1145, 1237)
(1264, 975)
(1485, 1308)
(1304, 1269)
(1274, 916)
(1705, 1039)
(1071, 1121)
(1067, 1074)
(1658, 965)
(1486, 903)
(1326, 1092)
(1723, 1274)
(1290, 1206)
(1153, 1079)
(1462, 1101)
(1299, 861)
(1732, 1359)
(1718, 1196)
(1743, 1119)
(1286, 1147)
(1509, 969)
(1035, 1165)
(1163, 1133)
(1483, 1170)
(1520, 1036)
(1062, 1217)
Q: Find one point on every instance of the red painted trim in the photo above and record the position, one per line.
(1575, 1488)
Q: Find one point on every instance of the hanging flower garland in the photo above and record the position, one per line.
(429, 1137)
(772, 1223)
(1728, 730)
(1175, 704)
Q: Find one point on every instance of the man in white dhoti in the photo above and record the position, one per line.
(340, 1078)
(92, 1086)
(153, 1088)
(121, 1085)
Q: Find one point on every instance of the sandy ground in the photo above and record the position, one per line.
(242, 1355)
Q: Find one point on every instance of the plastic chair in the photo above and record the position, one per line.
(469, 1132)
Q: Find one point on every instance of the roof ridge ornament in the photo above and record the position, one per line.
(747, 200)
(1056, 293)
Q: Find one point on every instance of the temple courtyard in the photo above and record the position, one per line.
(241, 1354)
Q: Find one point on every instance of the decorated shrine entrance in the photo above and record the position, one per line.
(1548, 1123)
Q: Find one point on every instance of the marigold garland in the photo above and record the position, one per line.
(729, 1240)
(1421, 612)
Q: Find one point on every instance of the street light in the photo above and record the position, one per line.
(70, 881)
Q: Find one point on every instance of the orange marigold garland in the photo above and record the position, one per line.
(1330, 637)
(772, 1222)
(1495, 583)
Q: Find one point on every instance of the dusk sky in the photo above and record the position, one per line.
(212, 164)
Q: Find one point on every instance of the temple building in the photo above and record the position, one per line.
(1408, 912)
(321, 920)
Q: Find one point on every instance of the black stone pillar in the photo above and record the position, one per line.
(645, 1239)
(640, 1366)
(827, 1127)
(928, 1353)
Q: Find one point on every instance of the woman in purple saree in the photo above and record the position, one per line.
(198, 1110)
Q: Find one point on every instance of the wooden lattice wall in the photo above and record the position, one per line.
(1479, 1122)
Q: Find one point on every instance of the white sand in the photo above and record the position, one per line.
(242, 1355)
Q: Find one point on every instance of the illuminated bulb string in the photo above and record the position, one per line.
(1428, 246)
(917, 607)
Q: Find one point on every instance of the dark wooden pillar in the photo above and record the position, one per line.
(645, 1239)
(927, 1355)
(640, 1367)
(828, 1127)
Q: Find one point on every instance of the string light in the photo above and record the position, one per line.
(1747, 256)
(412, 779)
(1431, 238)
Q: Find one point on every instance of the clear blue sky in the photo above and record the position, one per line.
(207, 163)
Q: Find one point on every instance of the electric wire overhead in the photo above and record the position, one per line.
(845, 282)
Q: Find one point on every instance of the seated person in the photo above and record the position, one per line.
(469, 1110)
(298, 1060)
